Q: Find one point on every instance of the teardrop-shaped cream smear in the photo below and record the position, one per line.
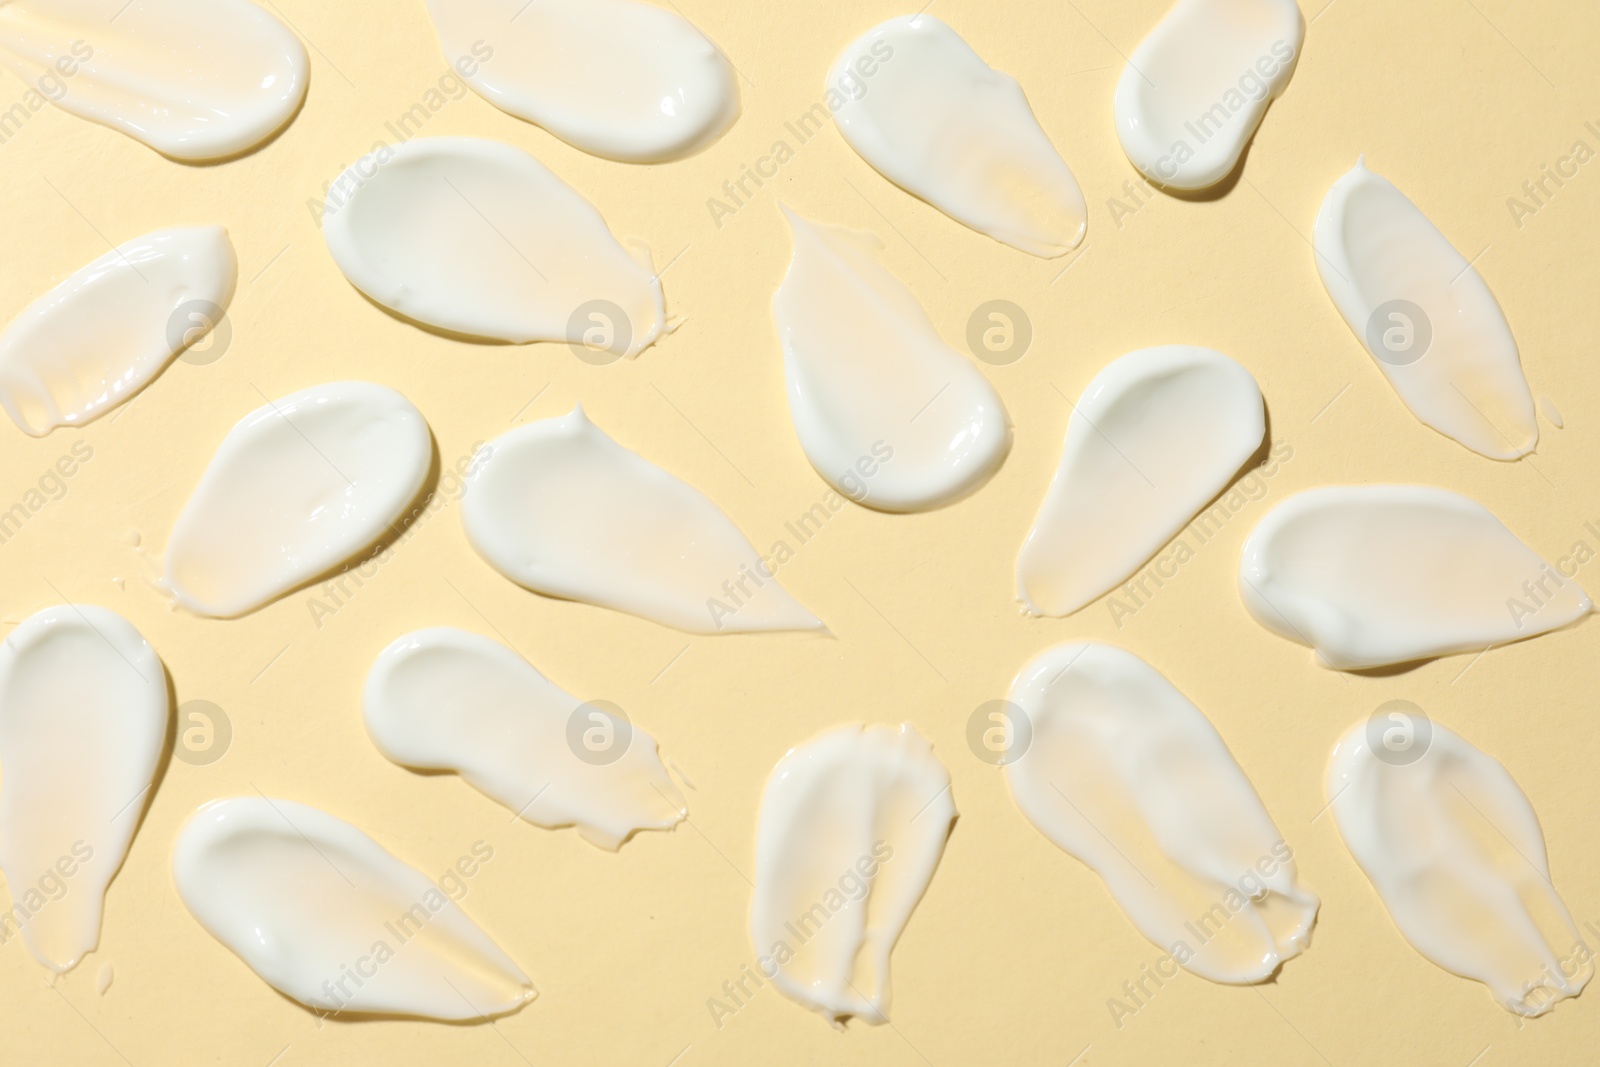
(1122, 771)
(297, 487)
(1455, 852)
(622, 79)
(1157, 434)
(479, 238)
(1375, 575)
(448, 700)
(851, 829)
(194, 79)
(84, 710)
(887, 413)
(1425, 314)
(99, 337)
(1194, 91)
(327, 917)
(562, 509)
(917, 103)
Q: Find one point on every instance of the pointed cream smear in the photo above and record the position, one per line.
(479, 238)
(887, 413)
(1375, 575)
(196, 80)
(562, 509)
(1425, 314)
(326, 916)
(83, 718)
(299, 486)
(1157, 434)
(851, 829)
(1455, 852)
(99, 337)
(918, 104)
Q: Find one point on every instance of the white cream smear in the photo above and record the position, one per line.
(194, 79)
(852, 826)
(1157, 434)
(1455, 852)
(326, 916)
(562, 509)
(83, 720)
(448, 700)
(925, 110)
(1375, 575)
(1194, 91)
(625, 80)
(1425, 314)
(479, 238)
(1123, 772)
(887, 413)
(99, 337)
(297, 487)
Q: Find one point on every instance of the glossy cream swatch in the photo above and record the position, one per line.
(196, 80)
(1157, 434)
(1425, 314)
(300, 485)
(100, 336)
(84, 709)
(1375, 575)
(886, 412)
(852, 826)
(562, 509)
(929, 114)
(327, 917)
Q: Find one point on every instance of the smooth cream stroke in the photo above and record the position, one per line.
(298, 486)
(1156, 435)
(197, 80)
(84, 714)
(1375, 575)
(1425, 314)
(329, 918)
(851, 829)
(930, 115)
(478, 238)
(886, 412)
(1454, 850)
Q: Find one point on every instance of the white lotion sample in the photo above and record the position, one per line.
(925, 110)
(448, 700)
(194, 79)
(852, 826)
(1381, 574)
(83, 719)
(626, 80)
(297, 487)
(1425, 314)
(562, 509)
(326, 916)
(1455, 851)
(1194, 91)
(887, 413)
(1122, 771)
(99, 337)
(1157, 434)
(481, 239)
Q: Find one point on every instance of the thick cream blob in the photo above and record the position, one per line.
(297, 487)
(887, 413)
(1157, 434)
(1375, 575)
(84, 709)
(929, 114)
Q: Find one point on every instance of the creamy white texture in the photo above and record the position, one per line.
(925, 110)
(1157, 434)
